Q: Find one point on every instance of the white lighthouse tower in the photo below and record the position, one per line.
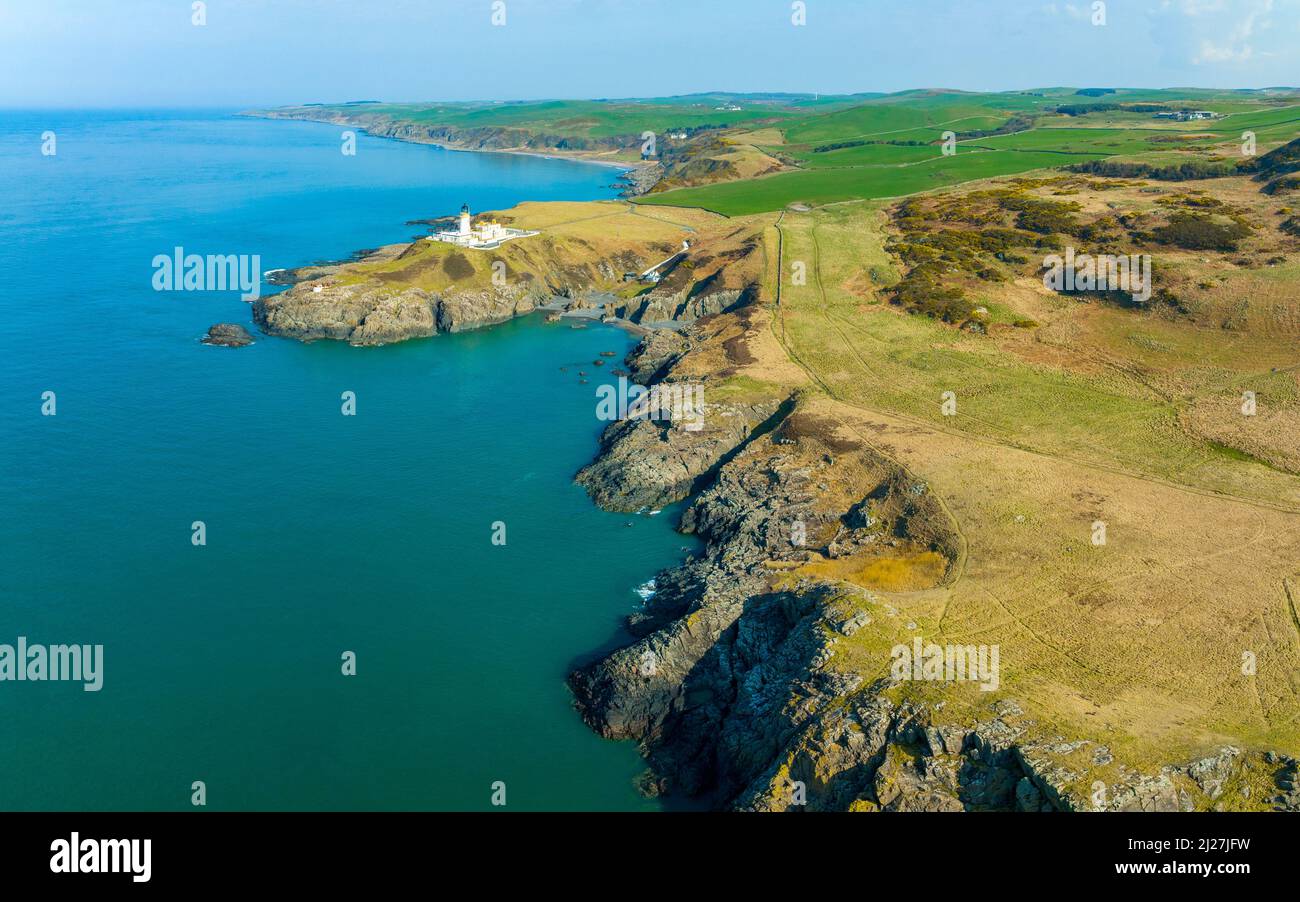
(464, 221)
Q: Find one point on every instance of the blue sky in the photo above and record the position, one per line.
(95, 53)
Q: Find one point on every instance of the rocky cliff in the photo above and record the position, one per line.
(748, 685)
(377, 315)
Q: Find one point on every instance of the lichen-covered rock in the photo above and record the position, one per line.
(655, 354)
(1212, 772)
(683, 306)
(356, 314)
(368, 314)
(647, 464)
(463, 310)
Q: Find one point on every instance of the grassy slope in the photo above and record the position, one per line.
(797, 128)
(575, 239)
(1136, 644)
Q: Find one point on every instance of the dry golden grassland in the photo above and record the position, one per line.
(588, 243)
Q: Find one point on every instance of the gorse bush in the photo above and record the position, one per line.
(1192, 231)
(1283, 185)
(920, 292)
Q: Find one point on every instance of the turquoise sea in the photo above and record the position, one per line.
(325, 533)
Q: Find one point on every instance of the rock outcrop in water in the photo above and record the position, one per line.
(227, 335)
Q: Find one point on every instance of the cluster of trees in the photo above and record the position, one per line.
(1011, 126)
(921, 292)
(1277, 165)
(1176, 172)
(936, 254)
(1083, 109)
(1044, 216)
(841, 145)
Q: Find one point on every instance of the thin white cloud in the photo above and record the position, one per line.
(1238, 44)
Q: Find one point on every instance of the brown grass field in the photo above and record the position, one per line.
(1099, 414)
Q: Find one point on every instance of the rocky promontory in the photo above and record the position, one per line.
(579, 264)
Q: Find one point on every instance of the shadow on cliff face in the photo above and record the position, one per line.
(759, 714)
(744, 700)
(729, 668)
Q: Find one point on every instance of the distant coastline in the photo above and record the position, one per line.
(553, 154)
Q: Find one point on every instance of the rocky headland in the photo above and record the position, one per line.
(420, 289)
(759, 677)
(689, 157)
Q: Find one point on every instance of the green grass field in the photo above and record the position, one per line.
(878, 164)
(825, 186)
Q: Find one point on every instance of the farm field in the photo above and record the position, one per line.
(826, 186)
(891, 146)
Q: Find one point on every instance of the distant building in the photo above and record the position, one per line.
(488, 235)
(1187, 115)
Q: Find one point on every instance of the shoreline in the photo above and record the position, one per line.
(546, 155)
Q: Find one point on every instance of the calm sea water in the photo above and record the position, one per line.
(325, 533)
